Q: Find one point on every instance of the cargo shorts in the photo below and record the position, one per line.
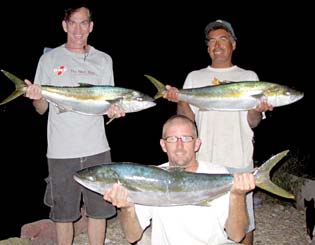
(65, 196)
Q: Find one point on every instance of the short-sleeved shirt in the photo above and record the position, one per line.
(188, 224)
(226, 136)
(70, 134)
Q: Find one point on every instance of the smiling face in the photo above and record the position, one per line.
(182, 152)
(78, 27)
(220, 48)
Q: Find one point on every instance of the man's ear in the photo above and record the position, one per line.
(234, 45)
(64, 26)
(162, 143)
(91, 26)
(197, 144)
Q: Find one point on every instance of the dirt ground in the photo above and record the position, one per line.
(277, 223)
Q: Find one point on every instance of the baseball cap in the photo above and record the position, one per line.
(220, 24)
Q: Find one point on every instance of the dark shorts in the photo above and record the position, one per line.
(63, 193)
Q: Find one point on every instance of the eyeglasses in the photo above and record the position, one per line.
(183, 138)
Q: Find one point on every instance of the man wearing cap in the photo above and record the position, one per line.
(227, 136)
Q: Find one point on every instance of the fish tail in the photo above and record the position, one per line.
(159, 86)
(263, 177)
(20, 87)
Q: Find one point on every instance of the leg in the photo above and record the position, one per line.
(97, 209)
(96, 231)
(64, 233)
(63, 197)
(249, 238)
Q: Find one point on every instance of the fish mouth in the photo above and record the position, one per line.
(151, 103)
(77, 178)
(297, 97)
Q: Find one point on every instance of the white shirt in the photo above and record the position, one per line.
(189, 224)
(226, 136)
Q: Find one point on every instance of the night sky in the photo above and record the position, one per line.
(156, 39)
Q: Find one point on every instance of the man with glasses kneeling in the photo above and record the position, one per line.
(223, 221)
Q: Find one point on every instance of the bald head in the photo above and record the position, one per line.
(179, 120)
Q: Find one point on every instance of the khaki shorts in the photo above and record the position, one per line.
(63, 193)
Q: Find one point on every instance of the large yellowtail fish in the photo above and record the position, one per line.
(86, 99)
(234, 96)
(151, 185)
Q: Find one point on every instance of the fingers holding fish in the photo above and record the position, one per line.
(114, 111)
(171, 93)
(118, 196)
(264, 106)
(33, 91)
(243, 183)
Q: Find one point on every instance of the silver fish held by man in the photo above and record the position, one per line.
(234, 96)
(151, 185)
(86, 99)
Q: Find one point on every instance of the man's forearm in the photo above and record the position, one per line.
(184, 109)
(130, 224)
(40, 105)
(254, 117)
(237, 222)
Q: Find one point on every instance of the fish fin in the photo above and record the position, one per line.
(110, 120)
(86, 85)
(14, 95)
(218, 82)
(173, 168)
(275, 189)
(20, 87)
(115, 101)
(259, 96)
(225, 82)
(207, 202)
(159, 86)
(61, 109)
(263, 177)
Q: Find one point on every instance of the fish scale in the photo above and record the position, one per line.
(155, 186)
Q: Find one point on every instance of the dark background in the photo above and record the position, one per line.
(157, 39)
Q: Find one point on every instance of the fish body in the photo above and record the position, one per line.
(234, 96)
(86, 99)
(151, 185)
